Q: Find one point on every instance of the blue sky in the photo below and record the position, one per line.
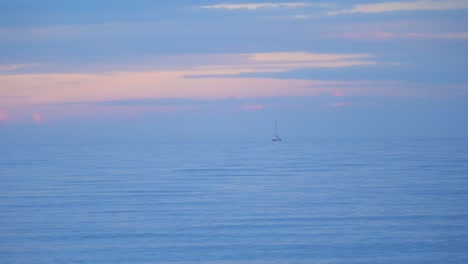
(170, 71)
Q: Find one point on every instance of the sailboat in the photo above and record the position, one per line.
(276, 137)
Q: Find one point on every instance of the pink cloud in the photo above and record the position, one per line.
(46, 88)
(384, 35)
(341, 104)
(253, 107)
(3, 115)
(37, 118)
(338, 94)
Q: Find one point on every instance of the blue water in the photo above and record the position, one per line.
(317, 202)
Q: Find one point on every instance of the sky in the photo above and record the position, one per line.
(86, 71)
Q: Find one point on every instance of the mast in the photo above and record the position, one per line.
(276, 128)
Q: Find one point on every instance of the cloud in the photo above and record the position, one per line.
(3, 115)
(254, 6)
(37, 118)
(223, 76)
(12, 67)
(305, 56)
(60, 88)
(341, 104)
(231, 70)
(404, 6)
(463, 35)
(370, 35)
(338, 94)
(122, 95)
(384, 35)
(155, 102)
(302, 16)
(379, 35)
(237, 64)
(75, 31)
(253, 107)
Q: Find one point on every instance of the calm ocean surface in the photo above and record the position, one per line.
(317, 202)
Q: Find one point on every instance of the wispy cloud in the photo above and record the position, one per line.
(463, 35)
(236, 64)
(341, 104)
(404, 6)
(302, 16)
(380, 35)
(126, 95)
(369, 35)
(37, 32)
(12, 67)
(220, 77)
(59, 88)
(253, 6)
(253, 107)
(306, 56)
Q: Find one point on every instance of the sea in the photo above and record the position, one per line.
(324, 202)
